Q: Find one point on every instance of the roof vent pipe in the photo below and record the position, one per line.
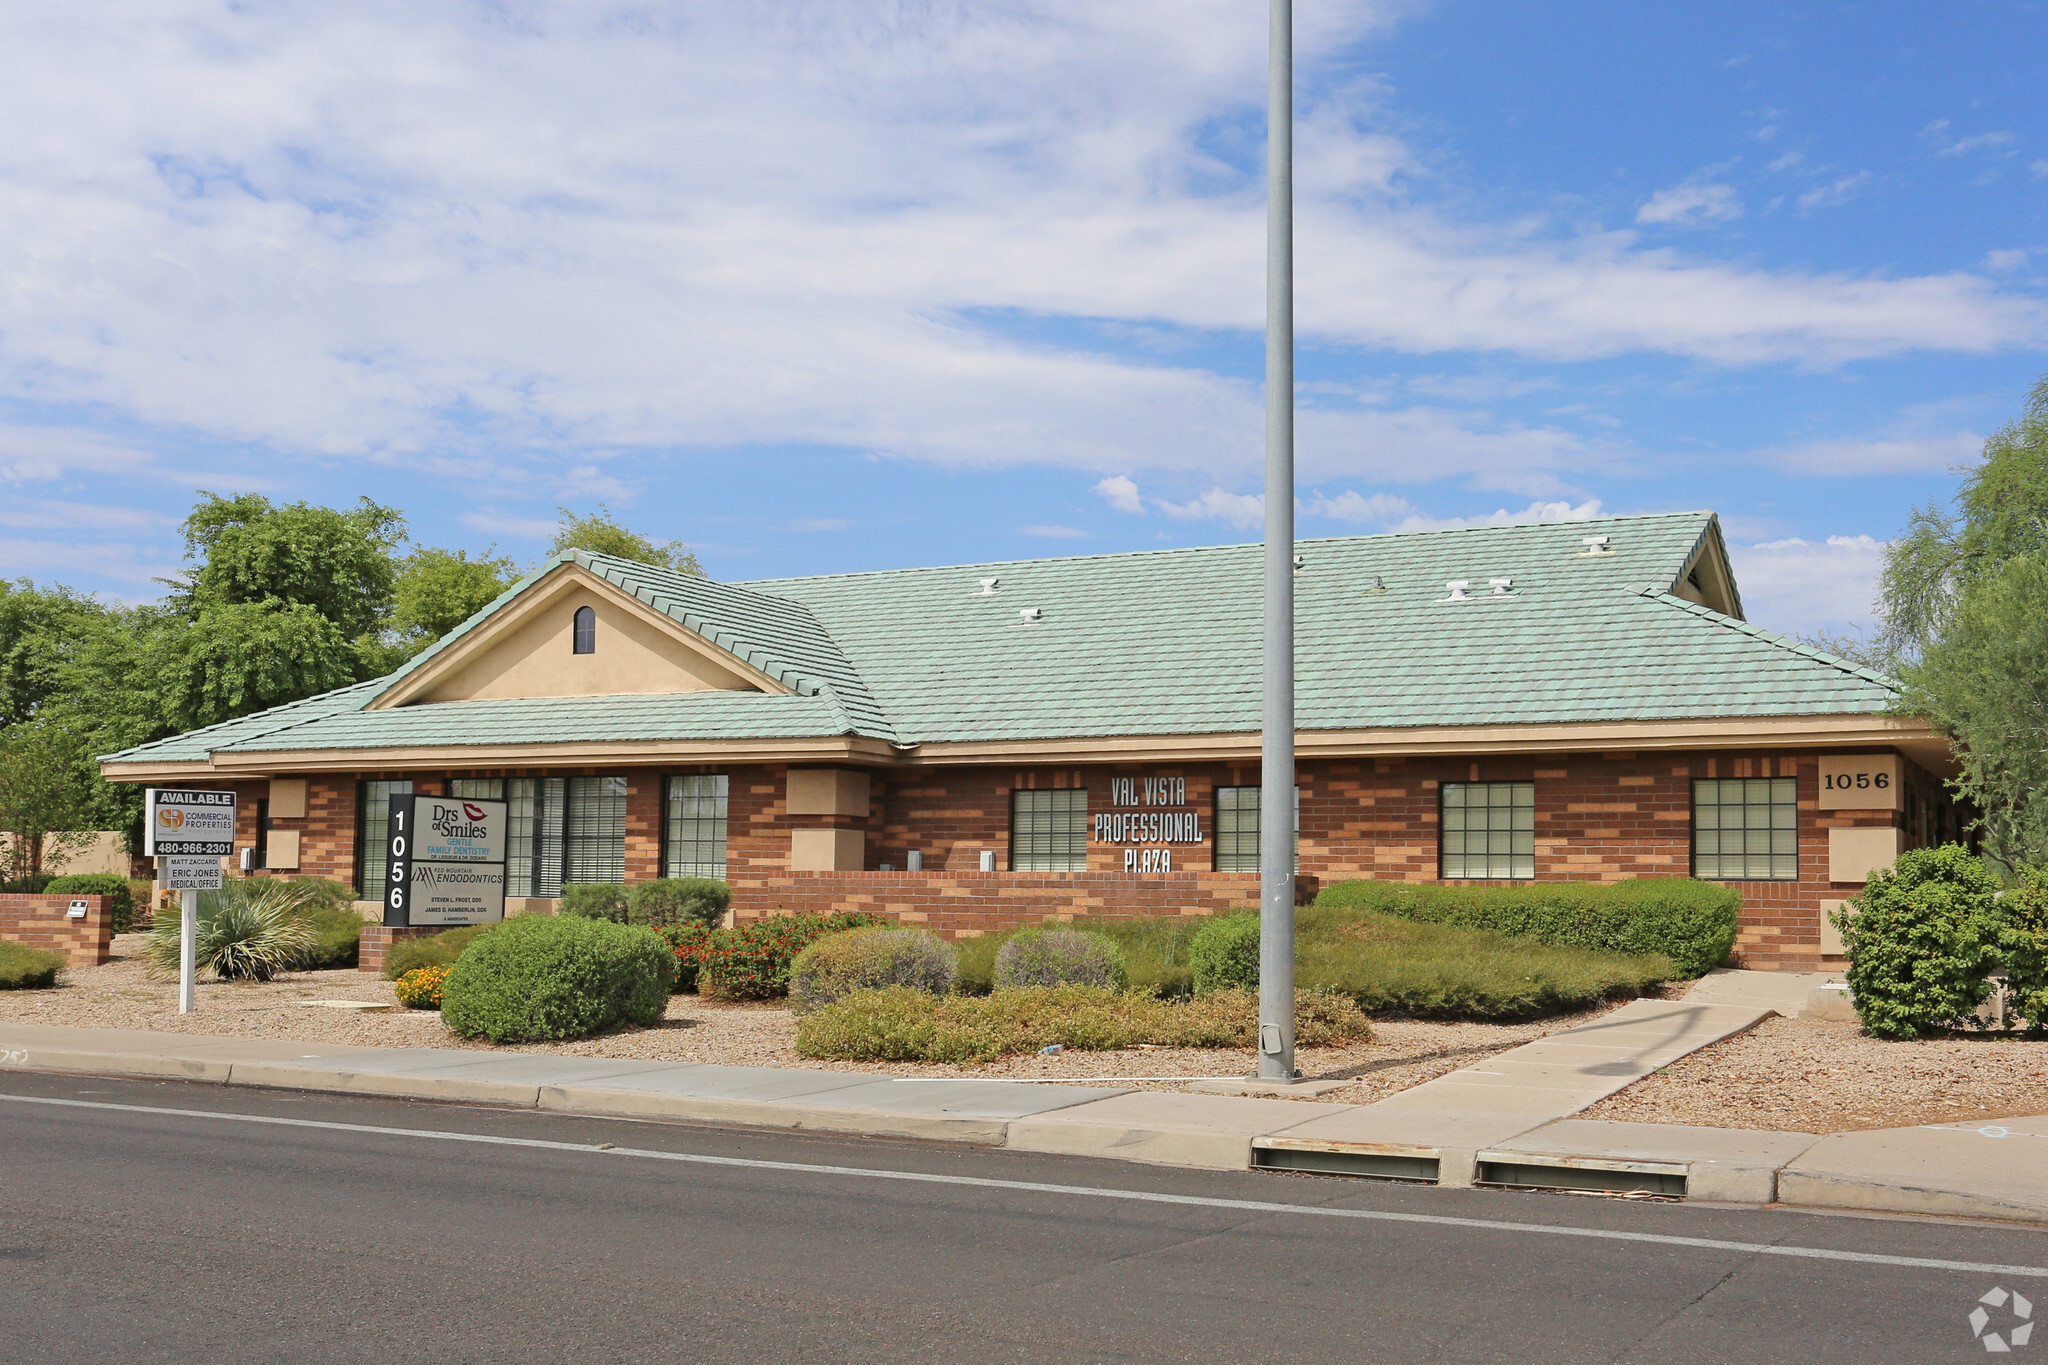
(1500, 586)
(1595, 546)
(988, 587)
(1456, 588)
(1028, 616)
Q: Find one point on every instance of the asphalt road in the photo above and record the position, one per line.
(131, 1235)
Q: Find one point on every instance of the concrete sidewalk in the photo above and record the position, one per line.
(1994, 1170)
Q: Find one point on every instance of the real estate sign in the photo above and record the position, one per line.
(180, 822)
(447, 861)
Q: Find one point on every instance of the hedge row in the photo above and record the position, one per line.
(1692, 923)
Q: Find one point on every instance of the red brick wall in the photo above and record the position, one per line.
(45, 922)
(377, 939)
(963, 904)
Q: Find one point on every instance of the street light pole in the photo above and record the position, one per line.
(1276, 767)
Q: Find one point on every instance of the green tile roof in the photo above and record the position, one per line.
(1162, 643)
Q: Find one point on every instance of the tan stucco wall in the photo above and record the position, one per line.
(536, 659)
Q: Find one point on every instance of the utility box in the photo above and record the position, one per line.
(281, 850)
(288, 799)
(1853, 854)
(827, 850)
(828, 791)
(1862, 782)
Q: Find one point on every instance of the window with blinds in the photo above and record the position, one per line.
(477, 788)
(1237, 829)
(533, 836)
(373, 834)
(694, 830)
(1488, 831)
(1049, 830)
(594, 846)
(1745, 829)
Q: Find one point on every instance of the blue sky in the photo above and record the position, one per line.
(836, 286)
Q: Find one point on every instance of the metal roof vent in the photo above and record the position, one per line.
(1029, 616)
(1299, 560)
(988, 587)
(1500, 586)
(1456, 588)
(1596, 546)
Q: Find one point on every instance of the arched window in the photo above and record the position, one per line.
(586, 631)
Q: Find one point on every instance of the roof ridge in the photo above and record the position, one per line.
(1784, 642)
(763, 584)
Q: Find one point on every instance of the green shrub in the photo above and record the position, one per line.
(539, 977)
(1692, 923)
(752, 961)
(26, 886)
(1225, 954)
(1921, 940)
(249, 930)
(337, 932)
(437, 950)
(691, 944)
(678, 900)
(593, 900)
(901, 1025)
(1048, 956)
(120, 899)
(869, 959)
(1155, 951)
(23, 968)
(2023, 944)
(317, 893)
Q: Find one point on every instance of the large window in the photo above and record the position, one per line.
(1745, 829)
(1488, 831)
(1237, 829)
(373, 835)
(1049, 830)
(694, 829)
(595, 847)
(533, 836)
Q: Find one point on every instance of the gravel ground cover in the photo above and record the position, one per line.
(122, 994)
(1823, 1076)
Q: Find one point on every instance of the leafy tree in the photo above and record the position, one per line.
(336, 562)
(438, 590)
(40, 630)
(45, 791)
(239, 658)
(601, 533)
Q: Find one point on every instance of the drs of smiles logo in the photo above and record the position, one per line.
(472, 811)
(2012, 1325)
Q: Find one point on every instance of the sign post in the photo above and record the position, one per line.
(447, 861)
(188, 832)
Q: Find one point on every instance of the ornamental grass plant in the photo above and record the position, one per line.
(898, 1024)
(249, 930)
(1051, 956)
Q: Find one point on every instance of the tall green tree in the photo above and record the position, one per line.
(437, 590)
(601, 533)
(1963, 612)
(45, 793)
(338, 562)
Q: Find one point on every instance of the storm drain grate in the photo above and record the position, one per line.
(1364, 1164)
(1605, 1177)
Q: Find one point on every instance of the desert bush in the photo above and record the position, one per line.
(593, 900)
(900, 1025)
(1691, 923)
(541, 977)
(1921, 940)
(249, 930)
(869, 959)
(678, 900)
(120, 897)
(752, 961)
(436, 950)
(337, 932)
(691, 944)
(1155, 952)
(23, 968)
(1060, 957)
(420, 988)
(2023, 945)
(1224, 954)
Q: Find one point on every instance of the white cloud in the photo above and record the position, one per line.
(1054, 532)
(1121, 493)
(2005, 260)
(2038, 167)
(820, 524)
(380, 229)
(1798, 587)
(1897, 456)
(1835, 192)
(1377, 509)
(1691, 206)
(587, 481)
(1241, 510)
(1786, 161)
(1536, 511)
(493, 524)
(1938, 136)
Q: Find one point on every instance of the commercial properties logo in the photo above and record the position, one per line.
(2012, 1326)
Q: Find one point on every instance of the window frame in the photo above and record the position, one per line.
(724, 818)
(1078, 834)
(1693, 820)
(393, 786)
(583, 630)
(1216, 825)
(1443, 831)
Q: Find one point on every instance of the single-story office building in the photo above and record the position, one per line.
(973, 747)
